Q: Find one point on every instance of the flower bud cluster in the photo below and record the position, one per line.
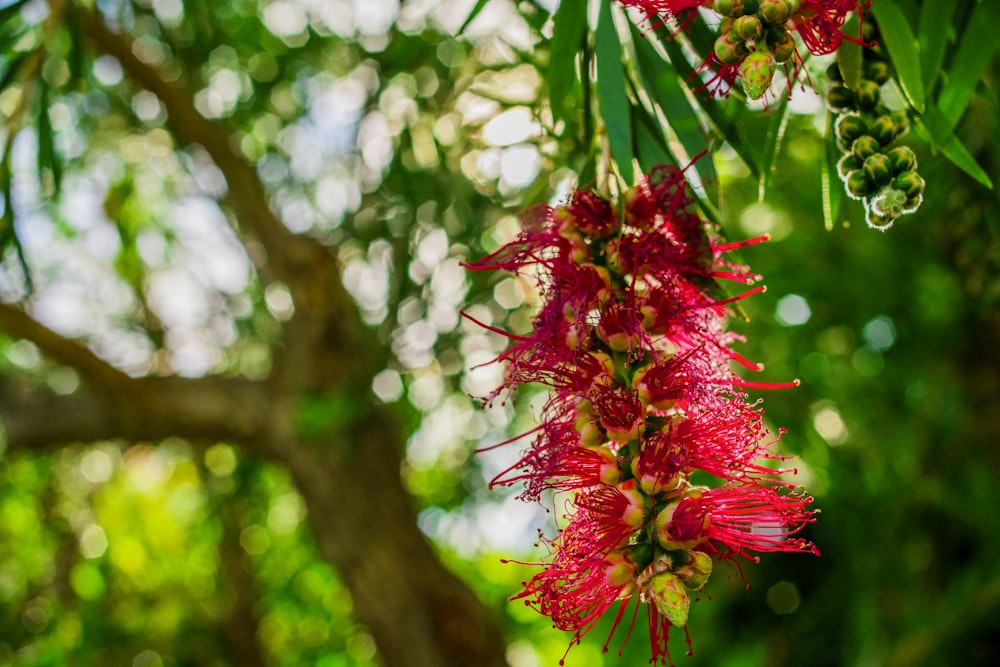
(874, 170)
(631, 339)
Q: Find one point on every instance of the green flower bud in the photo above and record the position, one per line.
(751, 6)
(878, 169)
(909, 182)
(869, 33)
(903, 159)
(780, 42)
(888, 202)
(747, 27)
(878, 221)
(847, 164)
(670, 597)
(877, 71)
(850, 126)
(857, 185)
(774, 12)
(884, 129)
(756, 72)
(729, 52)
(696, 572)
(864, 146)
(913, 203)
(833, 72)
(867, 94)
(640, 555)
(731, 8)
(840, 97)
(902, 122)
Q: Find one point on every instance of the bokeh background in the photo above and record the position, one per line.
(231, 280)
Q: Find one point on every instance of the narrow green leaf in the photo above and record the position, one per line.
(611, 94)
(975, 48)
(11, 9)
(849, 55)
(666, 91)
(899, 41)
(650, 147)
(715, 109)
(13, 66)
(939, 133)
(478, 7)
(772, 143)
(48, 161)
(568, 34)
(831, 185)
(935, 18)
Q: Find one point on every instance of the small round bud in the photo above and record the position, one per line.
(850, 126)
(756, 72)
(833, 72)
(878, 221)
(884, 129)
(902, 122)
(913, 203)
(774, 12)
(696, 572)
(877, 71)
(867, 94)
(840, 97)
(670, 597)
(857, 185)
(731, 8)
(780, 42)
(869, 33)
(864, 146)
(729, 52)
(909, 182)
(903, 159)
(747, 27)
(878, 169)
(847, 164)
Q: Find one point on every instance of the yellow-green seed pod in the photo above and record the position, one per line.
(747, 27)
(857, 185)
(780, 42)
(670, 597)
(909, 182)
(731, 8)
(867, 94)
(696, 572)
(884, 129)
(903, 159)
(729, 52)
(756, 72)
(877, 71)
(850, 126)
(774, 12)
(840, 97)
(878, 169)
(864, 146)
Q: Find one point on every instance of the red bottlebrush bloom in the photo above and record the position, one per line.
(818, 23)
(631, 339)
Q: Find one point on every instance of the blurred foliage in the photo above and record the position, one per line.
(407, 149)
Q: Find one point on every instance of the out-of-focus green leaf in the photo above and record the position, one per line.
(716, 110)
(939, 132)
(12, 67)
(8, 11)
(831, 186)
(899, 41)
(650, 147)
(663, 87)
(975, 48)
(612, 97)
(933, 38)
(48, 161)
(849, 55)
(568, 33)
(478, 7)
(772, 143)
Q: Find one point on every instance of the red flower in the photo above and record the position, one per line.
(631, 339)
(818, 23)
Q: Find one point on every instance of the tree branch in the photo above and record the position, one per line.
(17, 323)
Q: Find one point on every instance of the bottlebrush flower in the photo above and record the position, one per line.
(631, 339)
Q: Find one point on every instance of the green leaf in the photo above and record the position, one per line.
(934, 19)
(975, 47)
(939, 132)
(47, 158)
(772, 143)
(830, 184)
(650, 147)
(611, 94)
(849, 55)
(902, 48)
(666, 91)
(472, 15)
(13, 66)
(568, 34)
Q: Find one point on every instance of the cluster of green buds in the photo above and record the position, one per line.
(754, 37)
(884, 177)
